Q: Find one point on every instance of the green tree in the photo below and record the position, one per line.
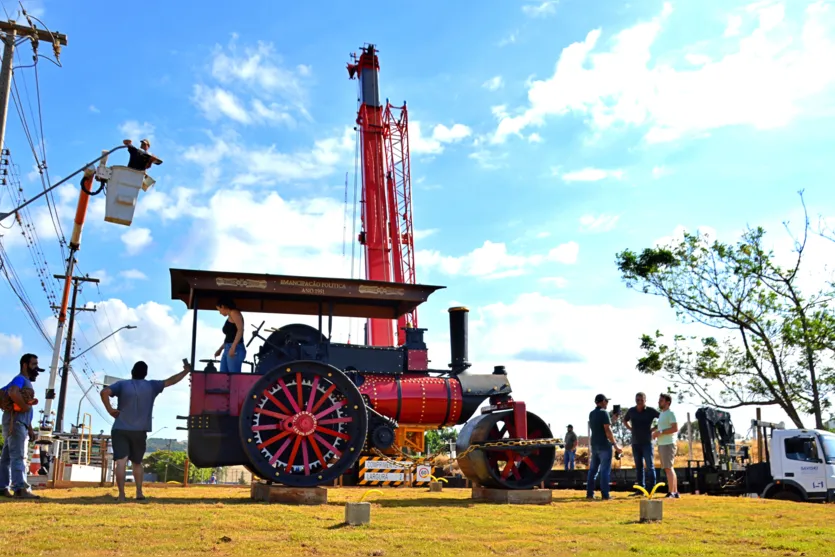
(781, 349)
(438, 441)
(171, 465)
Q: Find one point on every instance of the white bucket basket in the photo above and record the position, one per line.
(122, 190)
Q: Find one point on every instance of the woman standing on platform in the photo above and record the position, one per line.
(232, 349)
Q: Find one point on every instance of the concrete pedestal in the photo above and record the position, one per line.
(512, 497)
(261, 491)
(651, 510)
(357, 514)
(435, 487)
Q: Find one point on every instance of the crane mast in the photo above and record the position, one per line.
(387, 234)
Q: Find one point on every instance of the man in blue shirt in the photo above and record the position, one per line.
(17, 429)
(602, 443)
(133, 420)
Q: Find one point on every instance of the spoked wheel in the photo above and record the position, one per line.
(512, 468)
(303, 424)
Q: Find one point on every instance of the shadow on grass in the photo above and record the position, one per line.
(111, 500)
(452, 503)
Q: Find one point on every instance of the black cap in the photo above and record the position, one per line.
(571, 426)
(600, 398)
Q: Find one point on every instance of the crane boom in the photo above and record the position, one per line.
(387, 235)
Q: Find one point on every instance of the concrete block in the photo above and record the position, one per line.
(651, 510)
(261, 491)
(357, 514)
(435, 487)
(512, 496)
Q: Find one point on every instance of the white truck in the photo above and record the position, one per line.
(798, 465)
(801, 465)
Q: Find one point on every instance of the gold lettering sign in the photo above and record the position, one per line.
(246, 283)
(314, 284)
(383, 290)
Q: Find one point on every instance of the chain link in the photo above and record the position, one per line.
(415, 461)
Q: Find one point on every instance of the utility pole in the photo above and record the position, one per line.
(62, 397)
(12, 32)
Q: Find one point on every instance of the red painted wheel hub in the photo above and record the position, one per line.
(303, 423)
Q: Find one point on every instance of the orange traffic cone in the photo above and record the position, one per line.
(35, 463)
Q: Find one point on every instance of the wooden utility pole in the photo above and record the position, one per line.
(12, 33)
(62, 397)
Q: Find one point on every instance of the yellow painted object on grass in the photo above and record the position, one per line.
(647, 494)
(370, 491)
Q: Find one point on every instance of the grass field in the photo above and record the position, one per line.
(223, 521)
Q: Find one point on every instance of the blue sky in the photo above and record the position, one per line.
(546, 137)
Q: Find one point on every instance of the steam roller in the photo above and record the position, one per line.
(306, 408)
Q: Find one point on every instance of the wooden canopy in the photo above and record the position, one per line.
(298, 295)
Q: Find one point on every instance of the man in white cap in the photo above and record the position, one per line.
(140, 159)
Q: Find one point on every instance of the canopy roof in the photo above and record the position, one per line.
(298, 295)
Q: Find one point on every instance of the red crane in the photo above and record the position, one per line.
(387, 233)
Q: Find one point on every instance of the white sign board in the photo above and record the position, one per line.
(423, 473)
(384, 477)
(383, 465)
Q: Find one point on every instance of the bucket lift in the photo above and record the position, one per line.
(123, 185)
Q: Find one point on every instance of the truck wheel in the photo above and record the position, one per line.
(786, 495)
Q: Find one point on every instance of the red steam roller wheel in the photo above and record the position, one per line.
(505, 466)
(303, 424)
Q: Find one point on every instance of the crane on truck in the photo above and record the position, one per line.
(796, 464)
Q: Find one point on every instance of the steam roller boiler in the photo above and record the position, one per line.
(306, 408)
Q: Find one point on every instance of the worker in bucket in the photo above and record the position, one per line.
(602, 443)
(140, 159)
(133, 420)
(665, 433)
(17, 400)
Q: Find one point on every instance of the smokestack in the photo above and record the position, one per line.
(458, 339)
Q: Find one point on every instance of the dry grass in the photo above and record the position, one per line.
(223, 521)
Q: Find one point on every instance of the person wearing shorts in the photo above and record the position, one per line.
(665, 432)
(133, 420)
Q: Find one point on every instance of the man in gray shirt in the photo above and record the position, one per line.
(133, 420)
(570, 447)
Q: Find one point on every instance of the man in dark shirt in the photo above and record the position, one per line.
(602, 443)
(140, 159)
(638, 420)
(570, 447)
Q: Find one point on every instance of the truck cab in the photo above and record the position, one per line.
(802, 465)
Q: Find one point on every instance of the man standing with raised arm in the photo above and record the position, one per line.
(133, 420)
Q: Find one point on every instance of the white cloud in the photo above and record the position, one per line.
(94, 110)
(590, 175)
(543, 9)
(510, 39)
(441, 135)
(559, 282)
(488, 160)
(135, 131)
(133, 274)
(421, 234)
(11, 345)
(494, 83)
(660, 171)
(535, 138)
(734, 25)
(697, 59)
(259, 165)
(599, 223)
(707, 233)
(492, 260)
(216, 102)
(764, 80)
(136, 239)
